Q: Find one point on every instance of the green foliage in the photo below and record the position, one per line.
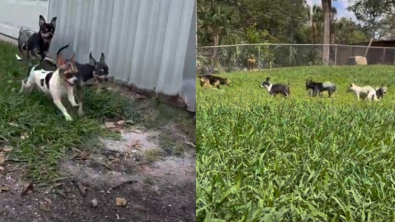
(296, 159)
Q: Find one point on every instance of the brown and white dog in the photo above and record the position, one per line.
(57, 84)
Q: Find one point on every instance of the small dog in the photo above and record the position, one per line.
(215, 81)
(31, 43)
(89, 74)
(57, 84)
(367, 92)
(275, 89)
(251, 62)
(319, 87)
(380, 91)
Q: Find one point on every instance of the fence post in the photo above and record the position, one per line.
(259, 57)
(336, 55)
(383, 57)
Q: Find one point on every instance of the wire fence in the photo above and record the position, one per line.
(233, 58)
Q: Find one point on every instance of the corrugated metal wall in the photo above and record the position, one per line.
(148, 43)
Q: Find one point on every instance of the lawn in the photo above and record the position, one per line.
(40, 136)
(297, 158)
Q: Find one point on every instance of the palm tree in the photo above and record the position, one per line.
(326, 8)
(316, 17)
(332, 34)
(333, 20)
(214, 20)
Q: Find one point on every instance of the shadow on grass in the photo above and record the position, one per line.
(37, 130)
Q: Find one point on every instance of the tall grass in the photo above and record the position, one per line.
(296, 159)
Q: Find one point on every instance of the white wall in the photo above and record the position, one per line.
(17, 13)
(148, 43)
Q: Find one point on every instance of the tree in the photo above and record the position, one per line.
(326, 8)
(371, 11)
(349, 32)
(315, 16)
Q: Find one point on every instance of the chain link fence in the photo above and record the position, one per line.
(234, 58)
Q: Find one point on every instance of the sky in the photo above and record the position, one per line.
(340, 5)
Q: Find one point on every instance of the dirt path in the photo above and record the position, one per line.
(156, 187)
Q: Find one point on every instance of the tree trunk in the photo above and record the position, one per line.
(326, 8)
(215, 50)
(332, 39)
(314, 28)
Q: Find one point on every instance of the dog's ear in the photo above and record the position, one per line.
(102, 58)
(53, 22)
(72, 58)
(41, 20)
(60, 60)
(92, 60)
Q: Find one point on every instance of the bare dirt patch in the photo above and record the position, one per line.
(132, 179)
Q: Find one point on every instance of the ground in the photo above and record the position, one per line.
(300, 158)
(126, 146)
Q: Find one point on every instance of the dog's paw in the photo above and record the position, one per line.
(68, 118)
(80, 113)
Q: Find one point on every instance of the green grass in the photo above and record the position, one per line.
(41, 136)
(296, 159)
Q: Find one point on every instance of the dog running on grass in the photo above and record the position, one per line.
(275, 89)
(34, 44)
(319, 87)
(364, 92)
(215, 81)
(89, 74)
(57, 84)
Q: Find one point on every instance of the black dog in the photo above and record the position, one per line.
(275, 89)
(31, 43)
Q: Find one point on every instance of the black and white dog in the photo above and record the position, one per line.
(57, 84)
(381, 91)
(275, 89)
(34, 44)
(89, 74)
(319, 87)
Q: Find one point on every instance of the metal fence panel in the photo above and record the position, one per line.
(145, 41)
(235, 57)
(15, 14)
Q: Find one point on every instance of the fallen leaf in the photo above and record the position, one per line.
(131, 122)
(25, 136)
(109, 125)
(140, 208)
(44, 206)
(190, 144)
(83, 155)
(4, 188)
(48, 200)
(121, 122)
(27, 189)
(7, 149)
(120, 202)
(94, 202)
(2, 158)
(134, 144)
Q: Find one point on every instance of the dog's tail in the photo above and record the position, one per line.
(58, 52)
